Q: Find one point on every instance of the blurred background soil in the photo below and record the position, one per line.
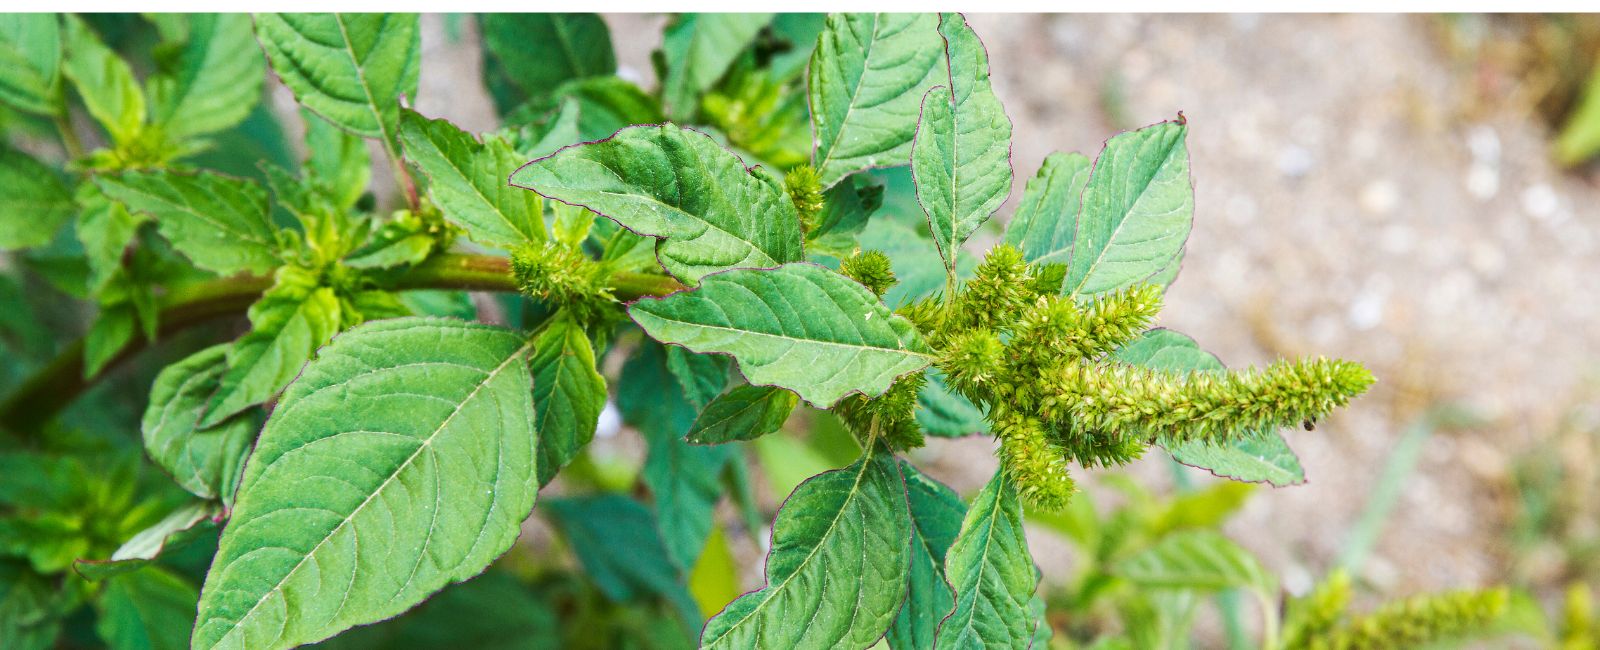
(1377, 188)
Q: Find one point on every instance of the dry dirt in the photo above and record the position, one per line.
(1347, 204)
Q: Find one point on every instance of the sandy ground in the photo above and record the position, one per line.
(1347, 204)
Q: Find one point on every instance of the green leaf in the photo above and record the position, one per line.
(568, 393)
(701, 376)
(1579, 138)
(146, 610)
(30, 62)
(961, 159)
(1137, 209)
(683, 479)
(944, 412)
(173, 531)
(505, 615)
(467, 180)
(33, 200)
(533, 54)
(936, 515)
(1198, 559)
(605, 105)
(220, 223)
(213, 81)
(106, 229)
(104, 81)
(799, 326)
(336, 161)
(112, 329)
(205, 461)
(1261, 456)
(838, 567)
(27, 619)
(1046, 220)
(710, 211)
(699, 48)
(615, 538)
(714, 581)
(845, 211)
(427, 421)
(348, 68)
(868, 75)
(287, 325)
(1042, 631)
(744, 413)
(558, 129)
(992, 574)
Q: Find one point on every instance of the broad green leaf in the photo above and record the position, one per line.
(1137, 209)
(913, 257)
(837, 572)
(30, 62)
(220, 223)
(714, 581)
(532, 54)
(568, 393)
(698, 49)
(287, 325)
(151, 609)
(27, 602)
(799, 326)
(105, 228)
(944, 412)
(111, 330)
(1261, 456)
(1046, 219)
(744, 413)
(615, 538)
(104, 81)
(401, 460)
(175, 530)
(936, 516)
(702, 376)
(844, 215)
(992, 574)
(1199, 559)
(1042, 631)
(348, 68)
(504, 615)
(336, 161)
(33, 200)
(212, 82)
(605, 105)
(710, 212)
(797, 31)
(961, 159)
(205, 461)
(558, 129)
(467, 179)
(868, 75)
(684, 480)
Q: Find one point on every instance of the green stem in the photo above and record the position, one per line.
(61, 381)
(69, 137)
(1269, 619)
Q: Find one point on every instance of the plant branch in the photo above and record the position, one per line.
(61, 381)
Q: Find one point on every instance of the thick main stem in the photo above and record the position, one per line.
(61, 381)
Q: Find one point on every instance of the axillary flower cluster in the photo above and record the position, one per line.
(1041, 365)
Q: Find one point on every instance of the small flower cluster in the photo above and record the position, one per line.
(1416, 622)
(804, 188)
(1040, 362)
(563, 277)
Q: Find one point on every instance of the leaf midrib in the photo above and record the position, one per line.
(1122, 219)
(276, 587)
